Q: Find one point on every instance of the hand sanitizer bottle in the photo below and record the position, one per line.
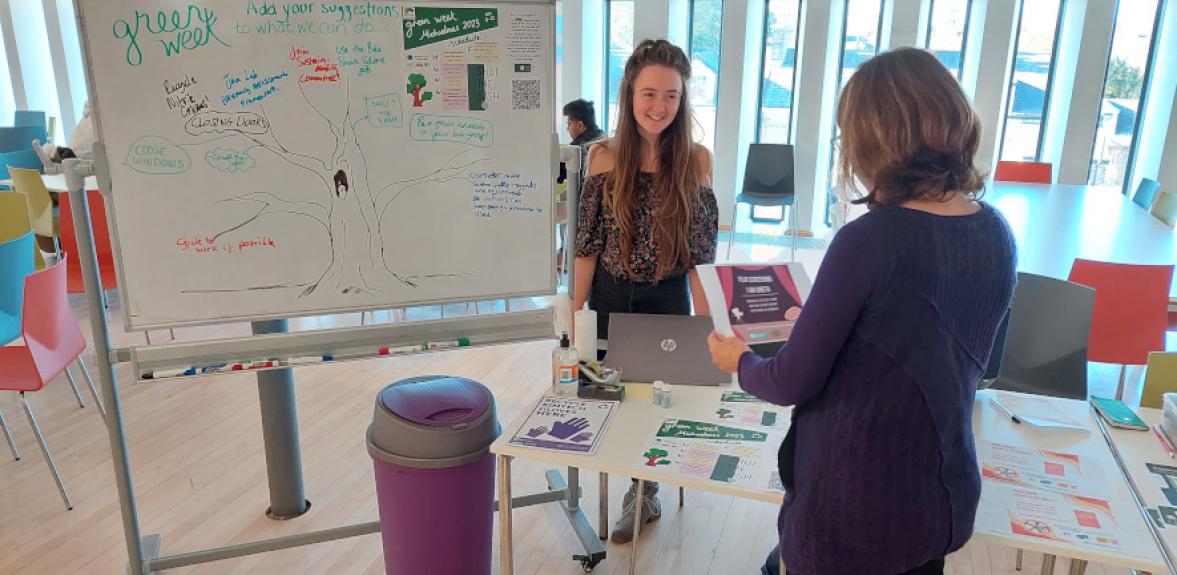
(565, 368)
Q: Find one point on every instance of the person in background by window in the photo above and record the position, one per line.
(879, 466)
(581, 123)
(648, 215)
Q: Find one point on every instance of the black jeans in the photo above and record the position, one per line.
(772, 566)
(611, 294)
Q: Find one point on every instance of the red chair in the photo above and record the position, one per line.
(52, 342)
(1131, 308)
(69, 243)
(1027, 172)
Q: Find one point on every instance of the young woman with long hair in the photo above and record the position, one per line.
(647, 213)
(879, 466)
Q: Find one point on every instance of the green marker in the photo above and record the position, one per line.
(460, 342)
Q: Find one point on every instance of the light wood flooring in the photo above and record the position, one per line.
(199, 471)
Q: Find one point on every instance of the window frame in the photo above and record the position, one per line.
(718, 72)
(1145, 84)
(964, 39)
(764, 58)
(1009, 90)
(841, 68)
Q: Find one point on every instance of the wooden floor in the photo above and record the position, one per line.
(199, 471)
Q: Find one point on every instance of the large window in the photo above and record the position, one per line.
(620, 35)
(36, 66)
(778, 71)
(1124, 81)
(861, 30)
(7, 101)
(948, 30)
(1030, 80)
(704, 47)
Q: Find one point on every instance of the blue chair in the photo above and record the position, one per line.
(15, 138)
(1145, 192)
(33, 118)
(26, 158)
(16, 262)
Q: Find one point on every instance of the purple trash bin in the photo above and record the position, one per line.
(430, 444)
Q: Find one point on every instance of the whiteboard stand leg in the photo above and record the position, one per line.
(147, 334)
(75, 172)
(507, 304)
(279, 408)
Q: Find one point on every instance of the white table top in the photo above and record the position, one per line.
(990, 424)
(1054, 224)
(56, 182)
(637, 419)
(1136, 449)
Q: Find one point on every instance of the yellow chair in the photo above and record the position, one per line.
(1161, 378)
(40, 202)
(14, 221)
(1164, 207)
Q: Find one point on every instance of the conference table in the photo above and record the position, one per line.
(1056, 223)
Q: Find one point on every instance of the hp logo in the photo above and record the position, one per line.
(669, 345)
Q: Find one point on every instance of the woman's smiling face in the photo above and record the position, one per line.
(656, 94)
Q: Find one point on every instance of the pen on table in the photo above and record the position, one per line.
(1005, 410)
(1164, 439)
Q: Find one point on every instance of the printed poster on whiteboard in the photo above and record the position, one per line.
(761, 301)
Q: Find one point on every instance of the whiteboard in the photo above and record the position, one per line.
(273, 159)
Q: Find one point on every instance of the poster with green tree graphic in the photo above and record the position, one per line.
(712, 452)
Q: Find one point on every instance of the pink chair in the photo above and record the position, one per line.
(52, 342)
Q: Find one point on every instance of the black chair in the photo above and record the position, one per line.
(1044, 351)
(768, 181)
(1145, 193)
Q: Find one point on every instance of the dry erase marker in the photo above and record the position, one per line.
(308, 360)
(460, 342)
(400, 349)
(215, 368)
(262, 363)
(169, 373)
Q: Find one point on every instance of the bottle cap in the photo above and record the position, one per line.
(564, 340)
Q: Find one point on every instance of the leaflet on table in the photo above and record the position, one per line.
(1072, 519)
(1166, 476)
(1040, 469)
(565, 424)
(742, 408)
(708, 451)
(1038, 411)
(761, 302)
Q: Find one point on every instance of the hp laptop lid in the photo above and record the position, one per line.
(671, 348)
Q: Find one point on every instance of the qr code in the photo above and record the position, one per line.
(525, 94)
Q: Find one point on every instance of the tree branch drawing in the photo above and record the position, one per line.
(349, 211)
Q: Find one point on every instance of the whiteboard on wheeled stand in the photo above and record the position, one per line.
(273, 159)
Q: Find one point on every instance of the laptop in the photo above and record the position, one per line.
(670, 348)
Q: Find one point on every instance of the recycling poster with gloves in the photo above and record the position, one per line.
(566, 424)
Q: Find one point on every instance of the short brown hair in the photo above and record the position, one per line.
(907, 131)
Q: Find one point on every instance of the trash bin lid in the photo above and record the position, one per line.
(437, 402)
(433, 422)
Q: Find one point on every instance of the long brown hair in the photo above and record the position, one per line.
(907, 130)
(679, 173)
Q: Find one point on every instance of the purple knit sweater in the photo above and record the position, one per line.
(880, 469)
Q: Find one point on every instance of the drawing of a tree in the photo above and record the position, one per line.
(655, 457)
(348, 210)
(723, 413)
(416, 84)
